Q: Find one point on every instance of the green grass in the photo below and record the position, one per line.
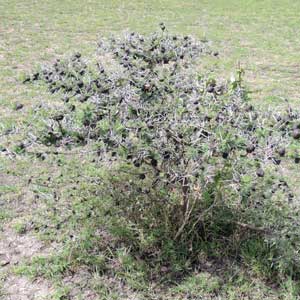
(262, 36)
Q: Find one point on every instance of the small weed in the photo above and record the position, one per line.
(20, 227)
(199, 284)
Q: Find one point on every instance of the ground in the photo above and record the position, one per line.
(261, 36)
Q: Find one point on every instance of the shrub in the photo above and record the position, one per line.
(189, 160)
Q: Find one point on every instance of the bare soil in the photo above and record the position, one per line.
(15, 248)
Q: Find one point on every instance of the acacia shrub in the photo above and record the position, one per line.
(189, 160)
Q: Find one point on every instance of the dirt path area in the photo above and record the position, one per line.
(14, 249)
